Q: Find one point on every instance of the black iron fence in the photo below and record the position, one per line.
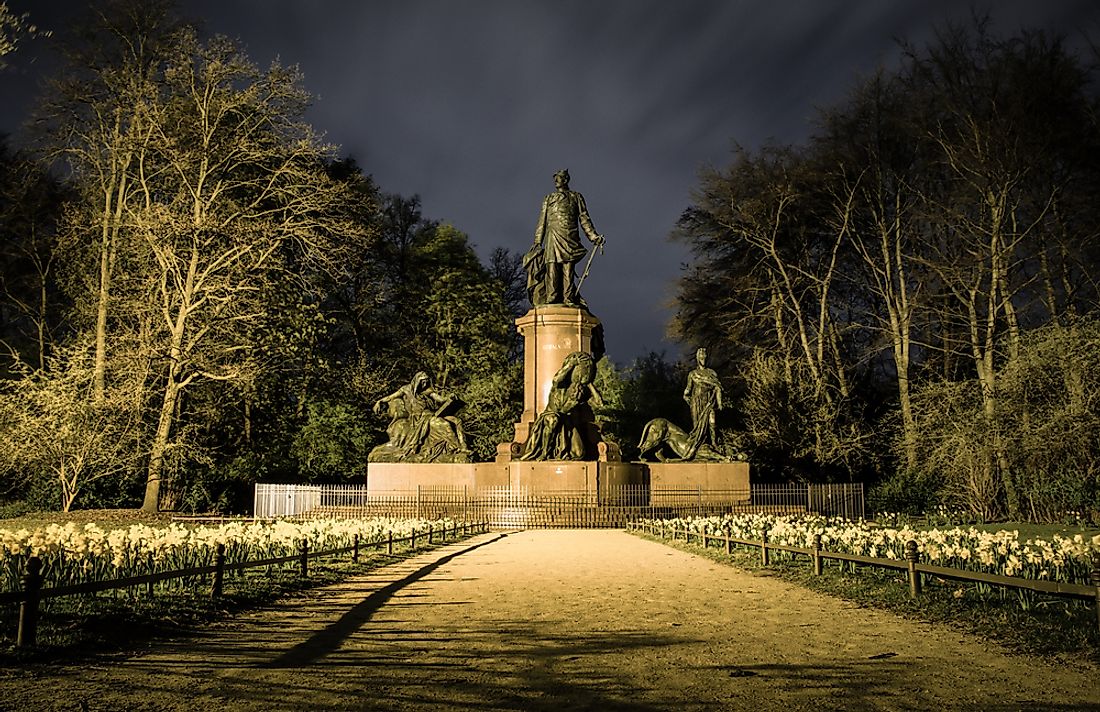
(502, 507)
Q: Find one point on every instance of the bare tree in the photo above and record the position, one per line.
(51, 426)
(234, 198)
(95, 119)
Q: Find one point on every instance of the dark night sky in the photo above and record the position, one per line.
(473, 105)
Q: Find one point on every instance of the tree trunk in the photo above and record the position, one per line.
(99, 378)
(160, 444)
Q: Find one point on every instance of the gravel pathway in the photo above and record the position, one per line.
(562, 620)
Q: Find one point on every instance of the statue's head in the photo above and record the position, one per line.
(421, 381)
(561, 178)
(701, 356)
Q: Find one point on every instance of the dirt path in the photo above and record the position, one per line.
(560, 620)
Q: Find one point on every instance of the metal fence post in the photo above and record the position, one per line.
(912, 556)
(305, 558)
(817, 555)
(28, 609)
(219, 572)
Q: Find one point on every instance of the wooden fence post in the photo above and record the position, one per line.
(1096, 582)
(704, 538)
(765, 558)
(912, 556)
(305, 558)
(430, 532)
(412, 540)
(28, 609)
(149, 586)
(355, 549)
(219, 572)
(729, 544)
(817, 555)
(389, 542)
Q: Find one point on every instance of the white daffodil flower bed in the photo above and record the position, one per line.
(73, 553)
(1067, 559)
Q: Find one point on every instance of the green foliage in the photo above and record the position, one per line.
(332, 444)
(904, 492)
(648, 388)
(493, 405)
(437, 308)
(1046, 426)
(955, 447)
(793, 428)
(222, 488)
(1050, 415)
(463, 325)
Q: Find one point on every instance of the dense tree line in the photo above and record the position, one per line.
(911, 293)
(198, 293)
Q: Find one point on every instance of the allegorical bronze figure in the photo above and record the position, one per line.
(566, 428)
(551, 261)
(667, 442)
(662, 438)
(423, 427)
(704, 396)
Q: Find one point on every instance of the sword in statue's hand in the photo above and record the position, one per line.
(598, 245)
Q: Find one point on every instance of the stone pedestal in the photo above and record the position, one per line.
(594, 482)
(550, 333)
(685, 482)
(391, 477)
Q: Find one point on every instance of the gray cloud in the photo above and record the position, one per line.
(474, 104)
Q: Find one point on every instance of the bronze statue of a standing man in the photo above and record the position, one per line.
(551, 260)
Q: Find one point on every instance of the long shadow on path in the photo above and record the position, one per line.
(330, 638)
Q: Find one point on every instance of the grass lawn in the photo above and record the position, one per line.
(1027, 530)
(1039, 531)
(104, 518)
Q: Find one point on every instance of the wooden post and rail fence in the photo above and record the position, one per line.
(32, 593)
(915, 569)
